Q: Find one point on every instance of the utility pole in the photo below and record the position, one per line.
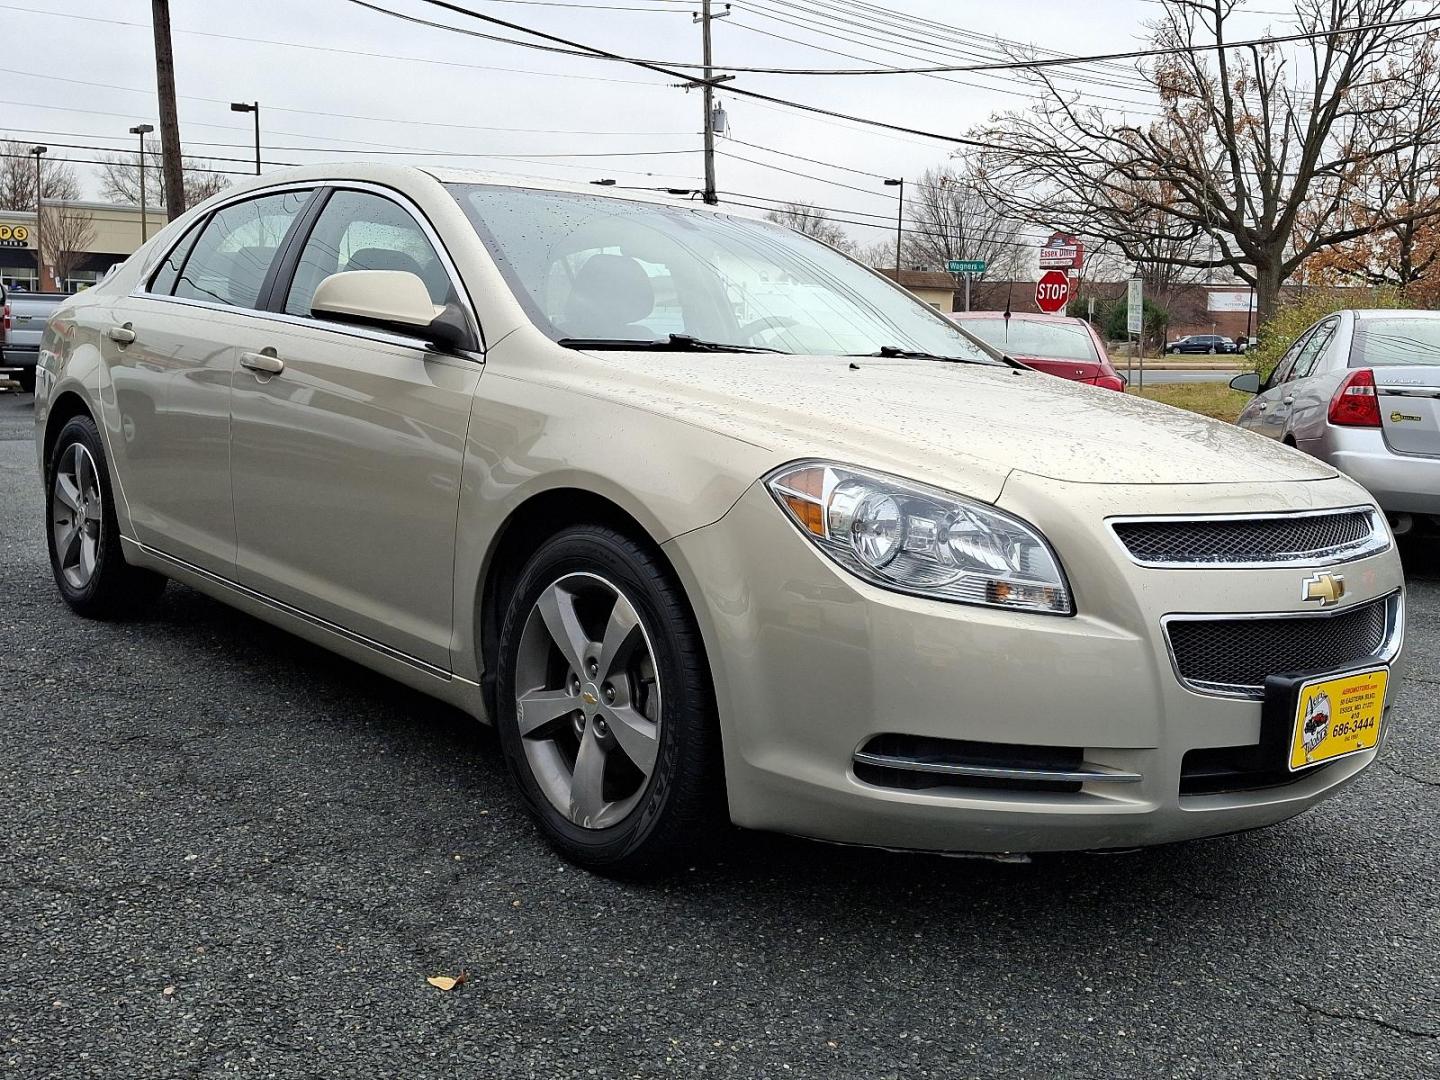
(169, 117)
(900, 225)
(708, 96)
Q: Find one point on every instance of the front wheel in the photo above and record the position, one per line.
(85, 555)
(604, 706)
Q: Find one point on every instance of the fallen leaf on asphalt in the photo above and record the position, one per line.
(445, 982)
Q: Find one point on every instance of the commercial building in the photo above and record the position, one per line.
(113, 233)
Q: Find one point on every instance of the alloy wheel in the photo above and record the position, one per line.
(587, 700)
(76, 515)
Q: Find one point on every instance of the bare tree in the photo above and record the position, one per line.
(810, 221)
(67, 234)
(1397, 251)
(879, 254)
(17, 177)
(1253, 155)
(120, 177)
(951, 219)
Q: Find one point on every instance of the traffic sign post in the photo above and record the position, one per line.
(968, 267)
(1135, 322)
(1052, 291)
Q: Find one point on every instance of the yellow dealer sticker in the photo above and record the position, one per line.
(1338, 716)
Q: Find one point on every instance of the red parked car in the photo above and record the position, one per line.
(1054, 344)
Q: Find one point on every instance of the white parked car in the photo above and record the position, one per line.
(713, 523)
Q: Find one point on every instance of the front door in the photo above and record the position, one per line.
(345, 463)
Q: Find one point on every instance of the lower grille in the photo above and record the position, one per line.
(1236, 768)
(1233, 656)
(917, 763)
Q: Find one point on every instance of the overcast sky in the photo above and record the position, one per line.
(439, 91)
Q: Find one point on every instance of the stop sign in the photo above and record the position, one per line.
(1052, 291)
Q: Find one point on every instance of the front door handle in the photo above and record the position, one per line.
(1287, 401)
(263, 363)
(121, 335)
(1263, 406)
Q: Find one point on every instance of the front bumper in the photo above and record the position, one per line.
(811, 664)
(1400, 483)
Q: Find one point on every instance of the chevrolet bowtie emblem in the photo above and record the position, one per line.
(1326, 588)
(589, 698)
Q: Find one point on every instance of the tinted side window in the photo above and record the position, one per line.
(361, 231)
(234, 250)
(163, 283)
(1305, 362)
(1287, 362)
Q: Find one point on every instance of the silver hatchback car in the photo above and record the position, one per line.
(1361, 390)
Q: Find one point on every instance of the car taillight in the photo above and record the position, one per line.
(5, 319)
(1110, 382)
(1355, 403)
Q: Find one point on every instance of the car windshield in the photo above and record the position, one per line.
(1041, 340)
(1383, 342)
(591, 270)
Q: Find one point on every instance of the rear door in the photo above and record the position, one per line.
(170, 348)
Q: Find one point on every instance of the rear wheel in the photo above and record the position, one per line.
(604, 706)
(85, 555)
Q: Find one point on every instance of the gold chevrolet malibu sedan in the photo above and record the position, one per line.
(712, 522)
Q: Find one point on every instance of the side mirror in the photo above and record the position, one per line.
(394, 300)
(1247, 382)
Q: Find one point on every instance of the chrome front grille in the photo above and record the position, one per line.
(1232, 656)
(1322, 537)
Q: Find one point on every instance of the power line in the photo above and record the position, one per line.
(487, 68)
(577, 48)
(351, 116)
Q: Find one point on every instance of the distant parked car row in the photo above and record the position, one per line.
(1361, 391)
(1211, 344)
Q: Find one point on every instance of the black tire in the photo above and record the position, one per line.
(115, 589)
(26, 378)
(681, 810)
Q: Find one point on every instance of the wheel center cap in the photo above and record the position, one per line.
(590, 697)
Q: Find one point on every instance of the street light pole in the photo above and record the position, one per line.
(142, 130)
(39, 223)
(899, 222)
(251, 107)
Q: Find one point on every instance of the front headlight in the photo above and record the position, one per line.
(917, 539)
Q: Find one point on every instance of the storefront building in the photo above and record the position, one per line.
(113, 233)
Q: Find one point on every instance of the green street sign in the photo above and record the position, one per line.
(966, 266)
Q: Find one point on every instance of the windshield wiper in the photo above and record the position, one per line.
(894, 352)
(674, 343)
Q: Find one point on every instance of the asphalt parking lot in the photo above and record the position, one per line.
(224, 852)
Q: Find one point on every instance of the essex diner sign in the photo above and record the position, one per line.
(1062, 251)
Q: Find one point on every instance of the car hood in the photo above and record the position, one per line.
(964, 425)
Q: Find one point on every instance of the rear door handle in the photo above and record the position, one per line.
(1287, 401)
(121, 335)
(263, 363)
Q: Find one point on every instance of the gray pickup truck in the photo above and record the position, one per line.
(25, 315)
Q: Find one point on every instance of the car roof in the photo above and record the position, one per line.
(389, 173)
